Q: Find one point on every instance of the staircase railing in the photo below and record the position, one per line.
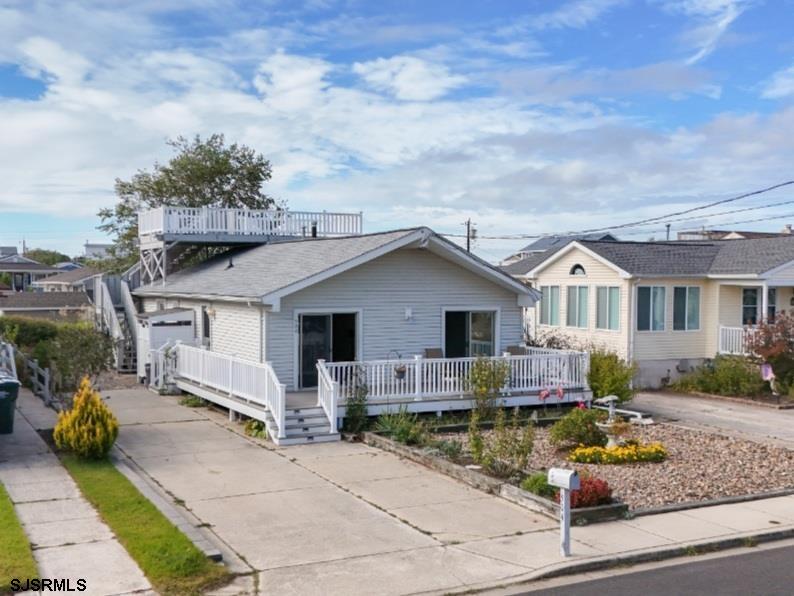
(253, 382)
(111, 322)
(327, 394)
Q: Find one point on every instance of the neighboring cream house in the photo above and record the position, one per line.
(665, 305)
(76, 280)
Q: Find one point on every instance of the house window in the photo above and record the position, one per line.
(578, 270)
(650, 308)
(771, 307)
(550, 305)
(205, 325)
(469, 333)
(749, 306)
(686, 308)
(576, 315)
(608, 308)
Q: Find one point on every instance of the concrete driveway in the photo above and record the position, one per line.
(753, 422)
(333, 518)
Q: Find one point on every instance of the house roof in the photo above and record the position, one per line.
(527, 264)
(26, 267)
(71, 276)
(7, 251)
(552, 242)
(269, 271)
(43, 300)
(751, 256)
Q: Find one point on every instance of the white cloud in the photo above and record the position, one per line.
(46, 58)
(408, 78)
(780, 85)
(292, 83)
(576, 15)
(712, 20)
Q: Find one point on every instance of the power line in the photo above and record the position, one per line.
(655, 218)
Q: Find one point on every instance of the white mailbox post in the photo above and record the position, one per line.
(566, 481)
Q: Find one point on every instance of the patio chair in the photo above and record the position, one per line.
(434, 353)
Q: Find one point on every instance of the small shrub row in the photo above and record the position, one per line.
(631, 453)
(725, 375)
(402, 426)
(506, 450)
(538, 484)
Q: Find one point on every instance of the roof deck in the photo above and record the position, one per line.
(223, 225)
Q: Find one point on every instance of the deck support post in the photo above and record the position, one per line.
(418, 377)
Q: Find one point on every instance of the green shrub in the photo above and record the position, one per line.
(79, 350)
(506, 450)
(451, 449)
(538, 484)
(725, 375)
(255, 428)
(578, 427)
(402, 426)
(28, 332)
(89, 428)
(610, 375)
(487, 377)
(192, 401)
(356, 420)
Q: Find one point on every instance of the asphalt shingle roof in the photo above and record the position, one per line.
(51, 300)
(683, 258)
(71, 276)
(266, 268)
(549, 242)
(10, 267)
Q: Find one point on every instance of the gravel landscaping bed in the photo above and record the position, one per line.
(732, 467)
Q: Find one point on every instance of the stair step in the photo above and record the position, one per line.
(316, 427)
(326, 438)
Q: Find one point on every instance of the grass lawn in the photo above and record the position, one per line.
(16, 560)
(167, 557)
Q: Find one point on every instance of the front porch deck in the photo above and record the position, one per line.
(419, 385)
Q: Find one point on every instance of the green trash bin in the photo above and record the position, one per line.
(9, 390)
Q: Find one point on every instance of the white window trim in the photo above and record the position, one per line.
(559, 310)
(497, 336)
(637, 310)
(296, 342)
(587, 313)
(620, 297)
(686, 312)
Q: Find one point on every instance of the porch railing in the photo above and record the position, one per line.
(327, 394)
(735, 340)
(255, 222)
(423, 378)
(253, 382)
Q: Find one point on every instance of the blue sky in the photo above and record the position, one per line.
(529, 117)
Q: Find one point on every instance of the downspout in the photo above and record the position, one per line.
(632, 318)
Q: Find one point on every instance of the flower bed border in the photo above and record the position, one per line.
(495, 486)
(736, 400)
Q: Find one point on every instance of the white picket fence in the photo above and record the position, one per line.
(430, 378)
(261, 222)
(251, 382)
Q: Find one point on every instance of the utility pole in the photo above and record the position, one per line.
(471, 234)
(668, 231)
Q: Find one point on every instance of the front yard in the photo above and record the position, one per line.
(699, 466)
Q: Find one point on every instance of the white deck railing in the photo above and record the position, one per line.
(428, 378)
(253, 382)
(254, 222)
(735, 340)
(8, 362)
(327, 394)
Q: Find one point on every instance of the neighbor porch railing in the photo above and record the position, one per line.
(258, 222)
(252, 382)
(428, 378)
(735, 340)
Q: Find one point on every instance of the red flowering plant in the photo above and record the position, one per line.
(592, 492)
(772, 341)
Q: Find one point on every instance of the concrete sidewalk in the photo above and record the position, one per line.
(343, 518)
(68, 537)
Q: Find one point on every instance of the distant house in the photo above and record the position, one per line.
(7, 251)
(75, 280)
(49, 305)
(23, 271)
(95, 250)
(552, 242)
(711, 234)
(664, 305)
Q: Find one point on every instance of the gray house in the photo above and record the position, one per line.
(302, 321)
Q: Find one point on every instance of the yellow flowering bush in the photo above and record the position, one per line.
(89, 429)
(630, 453)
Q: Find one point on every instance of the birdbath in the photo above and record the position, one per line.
(607, 427)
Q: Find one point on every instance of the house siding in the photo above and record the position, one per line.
(597, 274)
(383, 289)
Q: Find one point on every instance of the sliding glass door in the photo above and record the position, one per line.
(469, 333)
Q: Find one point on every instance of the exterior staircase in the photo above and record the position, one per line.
(302, 425)
(128, 360)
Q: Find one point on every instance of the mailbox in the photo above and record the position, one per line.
(566, 479)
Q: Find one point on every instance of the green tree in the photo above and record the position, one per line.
(202, 173)
(47, 257)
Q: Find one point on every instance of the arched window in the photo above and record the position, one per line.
(578, 270)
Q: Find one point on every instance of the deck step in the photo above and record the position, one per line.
(303, 440)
